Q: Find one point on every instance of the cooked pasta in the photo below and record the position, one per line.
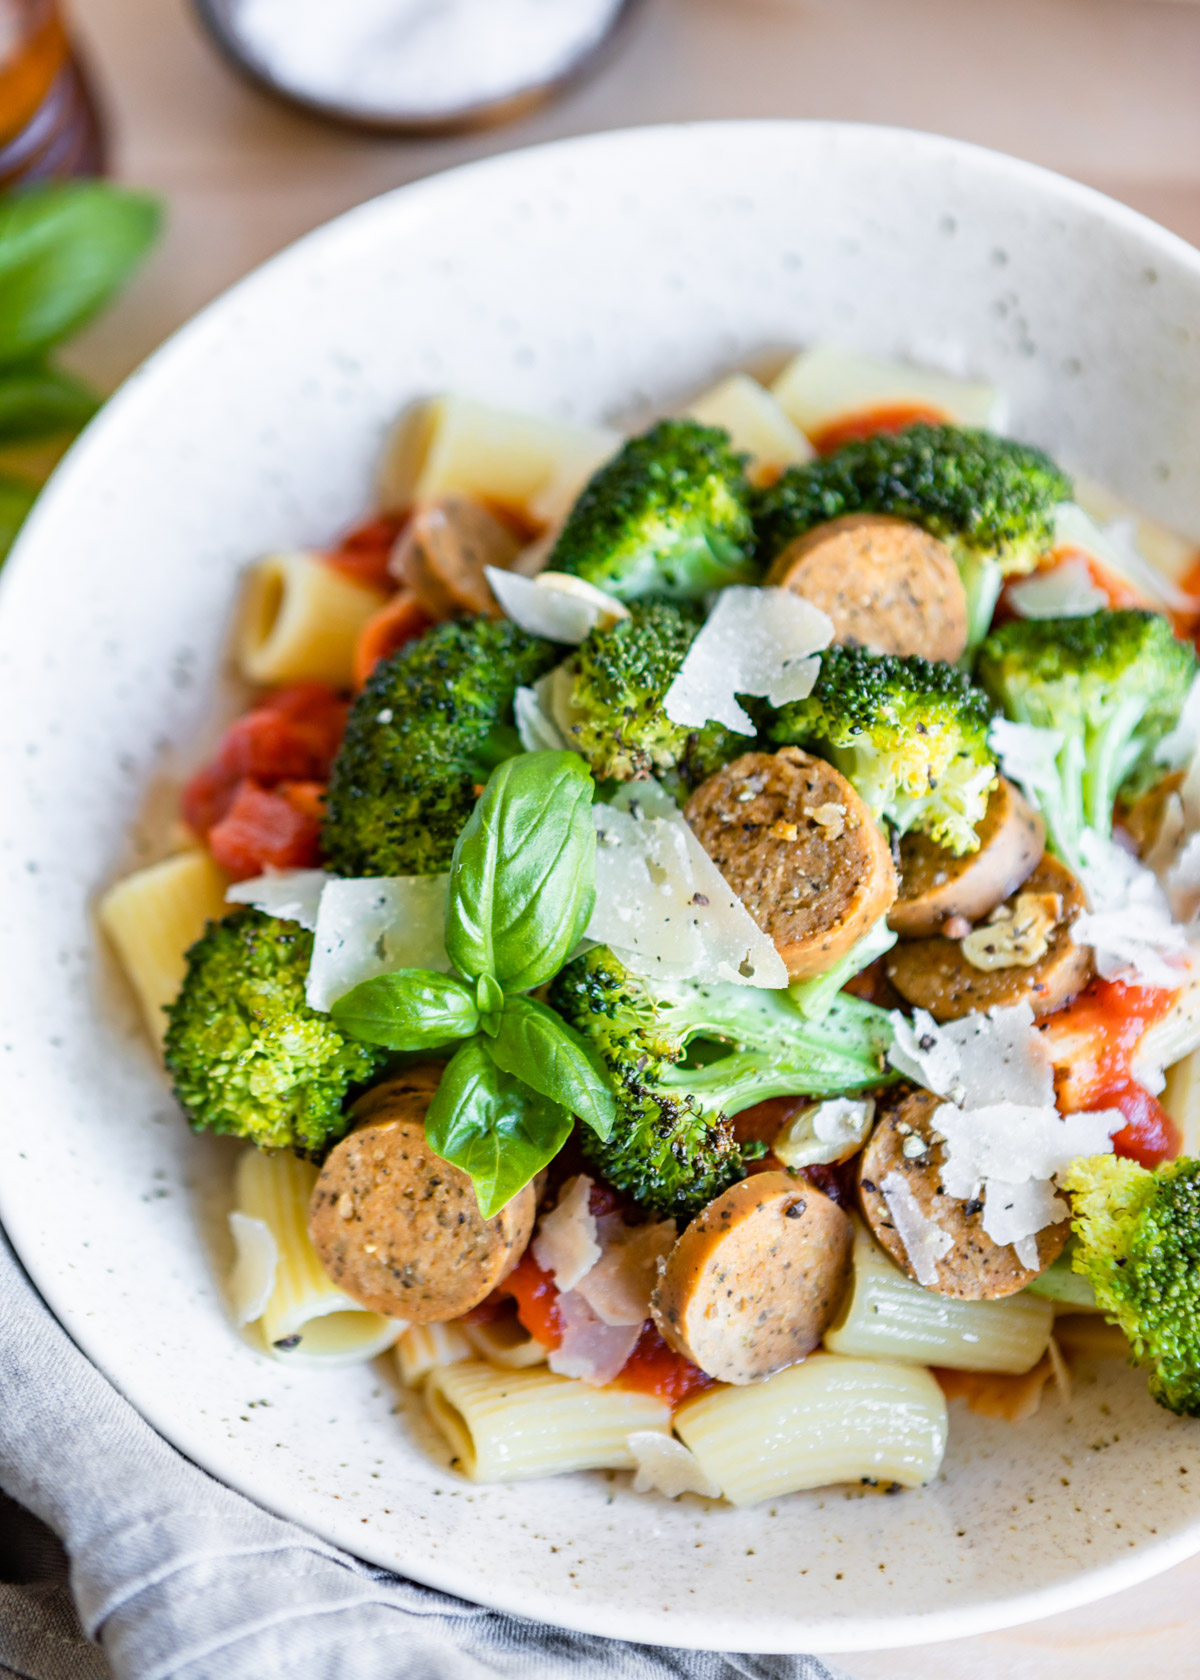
(828, 1419)
(505, 1342)
(153, 917)
(506, 1425)
(423, 1346)
(300, 620)
(1181, 1099)
(455, 444)
(755, 423)
(888, 1316)
(827, 383)
(307, 1320)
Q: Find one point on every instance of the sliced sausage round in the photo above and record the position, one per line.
(934, 974)
(887, 585)
(399, 1229)
(801, 850)
(935, 885)
(441, 554)
(756, 1278)
(975, 1268)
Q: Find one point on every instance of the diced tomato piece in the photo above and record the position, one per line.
(536, 1295)
(1149, 1135)
(306, 797)
(655, 1368)
(398, 622)
(263, 830)
(207, 797)
(318, 716)
(885, 417)
(364, 552)
(291, 736)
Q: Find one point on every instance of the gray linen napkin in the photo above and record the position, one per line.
(180, 1579)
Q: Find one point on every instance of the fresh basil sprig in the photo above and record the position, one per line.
(522, 886)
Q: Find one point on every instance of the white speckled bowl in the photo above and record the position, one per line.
(580, 280)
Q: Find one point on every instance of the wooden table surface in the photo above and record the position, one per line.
(1107, 91)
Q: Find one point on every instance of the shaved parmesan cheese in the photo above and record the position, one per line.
(566, 1243)
(1129, 925)
(561, 608)
(924, 1241)
(1064, 590)
(1115, 546)
(590, 1349)
(291, 894)
(921, 1050)
(535, 724)
(252, 1281)
(1015, 1212)
(825, 1132)
(1027, 756)
(1180, 745)
(375, 926)
(1011, 1142)
(1183, 879)
(977, 1060)
(665, 1465)
(619, 1286)
(664, 906)
(756, 641)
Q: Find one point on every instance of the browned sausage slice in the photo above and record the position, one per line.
(887, 585)
(398, 1228)
(935, 885)
(753, 1282)
(800, 849)
(442, 552)
(975, 1268)
(1143, 820)
(934, 974)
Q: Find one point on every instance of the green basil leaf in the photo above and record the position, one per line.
(538, 1046)
(412, 1009)
(65, 248)
(39, 402)
(523, 875)
(493, 1126)
(17, 496)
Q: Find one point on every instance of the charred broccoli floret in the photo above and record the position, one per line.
(910, 734)
(672, 1148)
(1111, 685)
(608, 699)
(429, 727)
(246, 1052)
(991, 500)
(668, 515)
(1139, 1248)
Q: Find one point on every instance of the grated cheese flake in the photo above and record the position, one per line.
(1063, 590)
(1129, 923)
(534, 719)
(924, 1241)
(563, 609)
(756, 641)
(1015, 1212)
(374, 926)
(1027, 756)
(1013, 1142)
(566, 1245)
(291, 894)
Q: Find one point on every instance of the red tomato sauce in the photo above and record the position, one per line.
(266, 828)
(655, 1368)
(1187, 624)
(886, 417)
(364, 552)
(536, 1295)
(1093, 1042)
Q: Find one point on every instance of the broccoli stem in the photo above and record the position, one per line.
(813, 998)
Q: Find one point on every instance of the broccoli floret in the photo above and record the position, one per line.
(1112, 684)
(247, 1054)
(910, 734)
(668, 515)
(430, 725)
(609, 699)
(672, 1148)
(1139, 1248)
(990, 500)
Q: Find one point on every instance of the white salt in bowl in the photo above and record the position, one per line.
(585, 280)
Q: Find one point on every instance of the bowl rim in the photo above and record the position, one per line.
(161, 367)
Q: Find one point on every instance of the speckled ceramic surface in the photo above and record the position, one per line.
(584, 280)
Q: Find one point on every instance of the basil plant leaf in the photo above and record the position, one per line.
(39, 402)
(412, 1009)
(496, 1128)
(536, 1045)
(65, 249)
(523, 875)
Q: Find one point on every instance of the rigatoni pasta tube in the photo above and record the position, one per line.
(423, 1346)
(885, 1315)
(828, 1419)
(307, 1319)
(503, 1426)
(827, 383)
(453, 443)
(154, 917)
(755, 422)
(1181, 1099)
(300, 619)
(505, 1342)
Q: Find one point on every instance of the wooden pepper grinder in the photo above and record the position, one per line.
(49, 124)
